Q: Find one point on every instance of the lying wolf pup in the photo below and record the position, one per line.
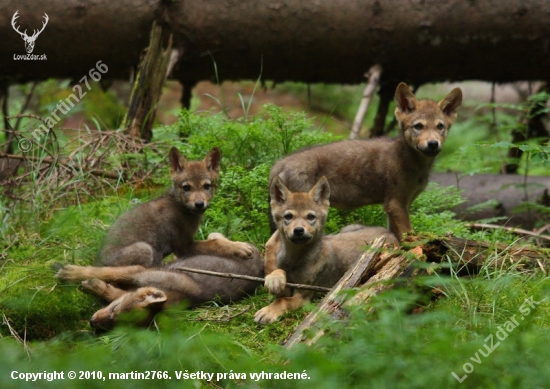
(305, 255)
(149, 232)
(155, 288)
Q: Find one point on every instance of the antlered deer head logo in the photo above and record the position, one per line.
(29, 40)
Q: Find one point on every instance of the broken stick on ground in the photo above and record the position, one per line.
(250, 278)
(332, 305)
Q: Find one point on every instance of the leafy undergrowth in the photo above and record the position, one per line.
(387, 347)
(381, 347)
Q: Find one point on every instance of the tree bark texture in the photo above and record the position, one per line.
(301, 40)
(78, 34)
(148, 86)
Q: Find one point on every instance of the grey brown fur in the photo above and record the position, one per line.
(305, 255)
(131, 287)
(146, 234)
(392, 172)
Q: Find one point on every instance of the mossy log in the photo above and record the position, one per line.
(474, 254)
(380, 269)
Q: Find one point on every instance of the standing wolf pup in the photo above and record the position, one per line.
(392, 172)
(306, 256)
(149, 232)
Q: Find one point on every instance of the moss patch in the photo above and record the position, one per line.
(38, 307)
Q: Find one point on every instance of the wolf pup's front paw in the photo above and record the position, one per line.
(243, 250)
(237, 249)
(275, 282)
(266, 315)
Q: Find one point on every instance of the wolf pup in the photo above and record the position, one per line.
(149, 232)
(154, 289)
(392, 172)
(306, 256)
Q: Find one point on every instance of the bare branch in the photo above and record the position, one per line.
(250, 278)
(373, 76)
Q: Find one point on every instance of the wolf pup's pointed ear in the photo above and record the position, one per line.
(320, 193)
(451, 102)
(278, 191)
(212, 159)
(177, 161)
(404, 98)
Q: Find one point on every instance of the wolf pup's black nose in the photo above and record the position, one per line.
(299, 231)
(433, 145)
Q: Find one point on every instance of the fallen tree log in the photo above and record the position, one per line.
(473, 254)
(300, 40)
(512, 197)
(383, 269)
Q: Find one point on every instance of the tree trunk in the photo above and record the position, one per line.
(148, 86)
(386, 94)
(78, 34)
(301, 40)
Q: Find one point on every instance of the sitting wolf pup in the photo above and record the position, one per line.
(149, 232)
(306, 256)
(154, 289)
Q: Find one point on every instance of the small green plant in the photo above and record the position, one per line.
(486, 149)
(249, 143)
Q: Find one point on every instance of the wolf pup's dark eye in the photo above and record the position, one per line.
(288, 216)
(418, 126)
(311, 217)
(440, 126)
(186, 187)
(207, 186)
